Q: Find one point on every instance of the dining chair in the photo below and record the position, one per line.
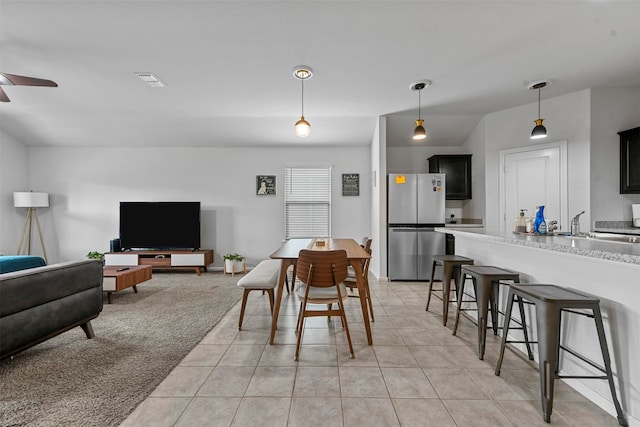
(351, 283)
(321, 275)
(366, 244)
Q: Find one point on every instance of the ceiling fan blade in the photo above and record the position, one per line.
(28, 81)
(3, 96)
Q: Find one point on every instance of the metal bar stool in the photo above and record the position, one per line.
(550, 302)
(448, 263)
(486, 279)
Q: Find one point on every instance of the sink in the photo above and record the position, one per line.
(608, 237)
(560, 233)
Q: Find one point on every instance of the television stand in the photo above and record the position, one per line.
(197, 260)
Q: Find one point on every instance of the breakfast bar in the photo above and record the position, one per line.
(606, 269)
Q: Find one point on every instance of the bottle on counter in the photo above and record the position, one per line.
(539, 221)
(521, 224)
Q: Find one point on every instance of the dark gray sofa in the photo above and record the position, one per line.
(39, 303)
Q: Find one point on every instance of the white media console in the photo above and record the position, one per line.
(163, 260)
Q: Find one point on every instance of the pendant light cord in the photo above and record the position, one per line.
(419, 92)
(539, 103)
(302, 82)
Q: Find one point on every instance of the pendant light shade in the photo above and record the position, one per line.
(539, 131)
(302, 73)
(419, 132)
(303, 128)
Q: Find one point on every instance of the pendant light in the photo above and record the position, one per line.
(419, 133)
(539, 131)
(302, 73)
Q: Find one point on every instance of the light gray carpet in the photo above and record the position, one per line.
(140, 338)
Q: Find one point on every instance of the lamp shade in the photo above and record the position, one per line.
(539, 131)
(303, 128)
(30, 199)
(419, 132)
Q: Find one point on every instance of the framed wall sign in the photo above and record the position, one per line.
(265, 185)
(350, 184)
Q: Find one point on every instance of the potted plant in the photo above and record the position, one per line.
(233, 263)
(96, 255)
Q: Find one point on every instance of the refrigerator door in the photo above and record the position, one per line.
(402, 255)
(402, 198)
(431, 198)
(430, 243)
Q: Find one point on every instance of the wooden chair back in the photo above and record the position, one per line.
(322, 268)
(366, 242)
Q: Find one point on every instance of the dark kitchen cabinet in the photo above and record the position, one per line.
(630, 161)
(457, 170)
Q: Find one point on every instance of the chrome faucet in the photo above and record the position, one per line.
(575, 224)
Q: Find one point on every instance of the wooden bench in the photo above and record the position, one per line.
(263, 277)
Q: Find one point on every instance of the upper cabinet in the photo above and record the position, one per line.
(457, 170)
(630, 161)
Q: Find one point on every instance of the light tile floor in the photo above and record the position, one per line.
(416, 373)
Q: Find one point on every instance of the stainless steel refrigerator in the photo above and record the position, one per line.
(415, 206)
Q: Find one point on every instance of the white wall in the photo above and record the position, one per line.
(566, 118)
(612, 110)
(378, 265)
(476, 146)
(414, 159)
(14, 172)
(87, 184)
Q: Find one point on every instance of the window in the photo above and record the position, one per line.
(307, 198)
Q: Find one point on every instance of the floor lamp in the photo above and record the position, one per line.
(31, 201)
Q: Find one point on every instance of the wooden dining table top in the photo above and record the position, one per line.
(291, 248)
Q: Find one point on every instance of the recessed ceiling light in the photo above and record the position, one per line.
(151, 79)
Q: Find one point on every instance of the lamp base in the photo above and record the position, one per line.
(28, 221)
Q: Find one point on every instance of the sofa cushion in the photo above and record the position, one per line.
(21, 290)
(19, 262)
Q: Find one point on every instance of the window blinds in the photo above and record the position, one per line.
(307, 202)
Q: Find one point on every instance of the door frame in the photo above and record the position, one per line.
(562, 145)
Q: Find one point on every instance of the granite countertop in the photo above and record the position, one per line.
(612, 251)
(466, 223)
(622, 227)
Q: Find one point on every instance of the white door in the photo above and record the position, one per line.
(534, 176)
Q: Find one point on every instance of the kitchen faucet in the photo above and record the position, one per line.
(575, 224)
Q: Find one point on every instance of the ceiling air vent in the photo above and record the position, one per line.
(151, 79)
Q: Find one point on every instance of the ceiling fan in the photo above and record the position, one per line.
(15, 80)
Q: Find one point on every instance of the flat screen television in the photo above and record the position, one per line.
(160, 225)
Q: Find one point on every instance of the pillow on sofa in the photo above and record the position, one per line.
(19, 262)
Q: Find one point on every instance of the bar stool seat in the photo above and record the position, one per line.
(448, 264)
(550, 302)
(486, 279)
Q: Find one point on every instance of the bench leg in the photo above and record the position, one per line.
(244, 305)
(271, 299)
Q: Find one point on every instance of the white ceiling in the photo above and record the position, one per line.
(228, 67)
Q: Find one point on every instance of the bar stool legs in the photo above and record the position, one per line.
(486, 283)
(550, 302)
(448, 263)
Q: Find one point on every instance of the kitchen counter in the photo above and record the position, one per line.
(612, 251)
(608, 270)
(464, 226)
(623, 227)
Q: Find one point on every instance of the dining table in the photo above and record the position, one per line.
(288, 253)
